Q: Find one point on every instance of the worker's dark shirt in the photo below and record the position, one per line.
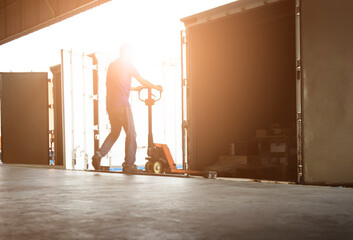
(119, 82)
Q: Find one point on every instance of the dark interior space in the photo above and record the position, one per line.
(243, 69)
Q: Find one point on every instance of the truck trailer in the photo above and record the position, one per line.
(254, 67)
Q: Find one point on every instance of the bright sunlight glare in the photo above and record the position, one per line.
(151, 27)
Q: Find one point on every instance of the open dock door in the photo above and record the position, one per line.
(24, 118)
(240, 90)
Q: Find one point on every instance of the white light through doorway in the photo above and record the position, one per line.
(153, 29)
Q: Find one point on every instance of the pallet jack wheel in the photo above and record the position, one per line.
(157, 167)
(149, 167)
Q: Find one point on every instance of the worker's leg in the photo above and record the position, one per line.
(116, 116)
(130, 141)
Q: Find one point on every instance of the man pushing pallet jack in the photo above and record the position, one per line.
(118, 85)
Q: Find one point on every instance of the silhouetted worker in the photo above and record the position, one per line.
(118, 107)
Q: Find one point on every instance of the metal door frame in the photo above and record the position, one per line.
(299, 90)
(183, 100)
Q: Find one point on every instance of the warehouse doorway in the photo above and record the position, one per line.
(241, 88)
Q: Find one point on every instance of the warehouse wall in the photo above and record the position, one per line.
(21, 17)
(327, 57)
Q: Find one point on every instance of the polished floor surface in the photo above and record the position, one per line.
(39, 203)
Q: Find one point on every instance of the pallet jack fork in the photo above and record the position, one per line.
(159, 158)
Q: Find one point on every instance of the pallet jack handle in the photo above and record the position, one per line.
(149, 101)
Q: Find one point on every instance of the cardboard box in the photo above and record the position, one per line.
(243, 160)
(283, 131)
(278, 147)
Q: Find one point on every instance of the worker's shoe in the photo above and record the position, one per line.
(131, 169)
(96, 162)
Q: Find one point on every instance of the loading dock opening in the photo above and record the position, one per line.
(323, 83)
(241, 78)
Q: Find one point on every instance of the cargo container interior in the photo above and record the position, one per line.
(243, 78)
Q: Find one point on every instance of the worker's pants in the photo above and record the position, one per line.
(121, 117)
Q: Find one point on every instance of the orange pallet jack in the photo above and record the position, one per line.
(159, 158)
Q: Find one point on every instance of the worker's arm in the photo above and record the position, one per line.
(148, 84)
(139, 88)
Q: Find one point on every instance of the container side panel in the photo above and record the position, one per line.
(24, 118)
(78, 110)
(327, 57)
(56, 71)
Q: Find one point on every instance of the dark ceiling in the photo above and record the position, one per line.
(21, 17)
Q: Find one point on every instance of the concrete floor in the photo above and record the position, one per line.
(38, 203)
